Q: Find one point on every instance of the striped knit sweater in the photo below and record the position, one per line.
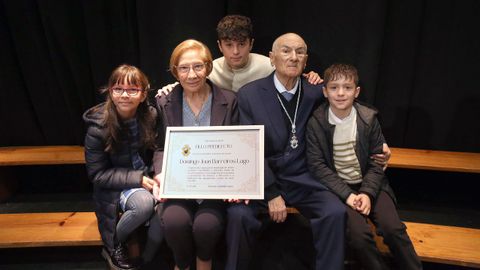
(344, 139)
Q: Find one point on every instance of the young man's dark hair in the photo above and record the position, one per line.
(235, 27)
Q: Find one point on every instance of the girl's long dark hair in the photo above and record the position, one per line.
(146, 120)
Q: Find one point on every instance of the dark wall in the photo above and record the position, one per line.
(418, 60)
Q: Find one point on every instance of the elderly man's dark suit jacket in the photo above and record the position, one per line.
(224, 113)
(259, 105)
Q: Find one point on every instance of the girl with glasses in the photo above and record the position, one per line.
(119, 145)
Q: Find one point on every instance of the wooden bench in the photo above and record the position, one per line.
(41, 155)
(35, 155)
(49, 229)
(433, 243)
(46, 229)
(438, 243)
(443, 244)
(435, 160)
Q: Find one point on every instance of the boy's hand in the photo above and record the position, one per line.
(363, 204)
(166, 89)
(352, 201)
(313, 77)
(382, 159)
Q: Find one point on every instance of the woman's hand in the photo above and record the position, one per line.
(236, 201)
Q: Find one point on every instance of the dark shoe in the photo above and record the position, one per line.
(118, 260)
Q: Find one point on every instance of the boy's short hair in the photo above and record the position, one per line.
(337, 71)
(234, 27)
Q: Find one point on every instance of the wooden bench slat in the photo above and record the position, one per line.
(41, 155)
(401, 158)
(435, 160)
(49, 229)
(433, 243)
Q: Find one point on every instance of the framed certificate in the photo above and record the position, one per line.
(216, 162)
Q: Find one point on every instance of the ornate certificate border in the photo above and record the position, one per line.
(216, 162)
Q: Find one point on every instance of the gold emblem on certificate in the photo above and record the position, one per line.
(186, 150)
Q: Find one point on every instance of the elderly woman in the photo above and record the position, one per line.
(119, 145)
(192, 227)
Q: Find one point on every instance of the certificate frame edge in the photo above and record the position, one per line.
(261, 157)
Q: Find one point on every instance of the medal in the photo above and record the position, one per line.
(293, 140)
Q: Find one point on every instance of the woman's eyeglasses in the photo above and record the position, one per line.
(183, 69)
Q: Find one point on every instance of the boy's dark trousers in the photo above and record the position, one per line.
(388, 224)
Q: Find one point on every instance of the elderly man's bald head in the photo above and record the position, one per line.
(281, 39)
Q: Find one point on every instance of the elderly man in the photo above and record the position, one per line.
(283, 102)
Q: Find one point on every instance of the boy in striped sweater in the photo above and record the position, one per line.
(341, 136)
